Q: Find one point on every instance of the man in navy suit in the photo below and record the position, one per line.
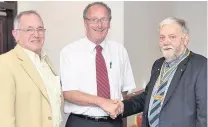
(176, 95)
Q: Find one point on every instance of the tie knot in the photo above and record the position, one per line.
(99, 48)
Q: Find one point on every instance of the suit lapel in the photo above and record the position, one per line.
(151, 84)
(31, 70)
(175, 81)
(50, 65)
(56, 74)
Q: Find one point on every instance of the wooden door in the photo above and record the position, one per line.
(8, 11)
(3, 35)
(1, 38)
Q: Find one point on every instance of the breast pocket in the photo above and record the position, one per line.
(115, 80)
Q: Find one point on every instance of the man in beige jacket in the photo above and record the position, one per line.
(30, 93)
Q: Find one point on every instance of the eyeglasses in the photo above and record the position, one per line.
(31, 31)
(95, 20)
(170, 37)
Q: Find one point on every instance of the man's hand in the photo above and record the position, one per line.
(120, 108)
(111, 107)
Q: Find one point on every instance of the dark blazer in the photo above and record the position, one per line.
(185, 104)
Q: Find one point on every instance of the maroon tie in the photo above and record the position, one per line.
(103, 88)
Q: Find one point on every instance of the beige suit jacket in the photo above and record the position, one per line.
(23, 98)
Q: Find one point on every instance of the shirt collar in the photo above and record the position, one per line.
(91, 46)
(33, 56)
(170, 64)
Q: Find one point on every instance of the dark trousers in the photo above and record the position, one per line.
(74, 121)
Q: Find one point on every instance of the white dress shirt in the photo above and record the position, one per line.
(78, 72)
(51, 82)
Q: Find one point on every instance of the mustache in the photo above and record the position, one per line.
(166, 47)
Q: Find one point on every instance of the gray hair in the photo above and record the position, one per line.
(18, 17)
(96, 3)
(172, 20)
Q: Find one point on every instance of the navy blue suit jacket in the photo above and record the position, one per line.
(185, 104)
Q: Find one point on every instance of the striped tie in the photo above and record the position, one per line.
(103, 88)
(155, 109)
(159, 96)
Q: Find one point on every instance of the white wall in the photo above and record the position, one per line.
(196, 15)
(141, 21)
(64, 23)
(141, 36)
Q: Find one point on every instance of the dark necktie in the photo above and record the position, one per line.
(103, 88)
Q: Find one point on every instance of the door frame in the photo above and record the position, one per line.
(10, 8)
(3, 37)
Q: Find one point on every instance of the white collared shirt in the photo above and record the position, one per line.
(78, 72)
(51, 82)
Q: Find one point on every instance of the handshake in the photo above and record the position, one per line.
(112, 107)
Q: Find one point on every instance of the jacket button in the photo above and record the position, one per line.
(49, 118)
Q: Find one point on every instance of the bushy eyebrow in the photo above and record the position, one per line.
(40, 27)
(36, 28)
(168, 35)
(171, 35)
